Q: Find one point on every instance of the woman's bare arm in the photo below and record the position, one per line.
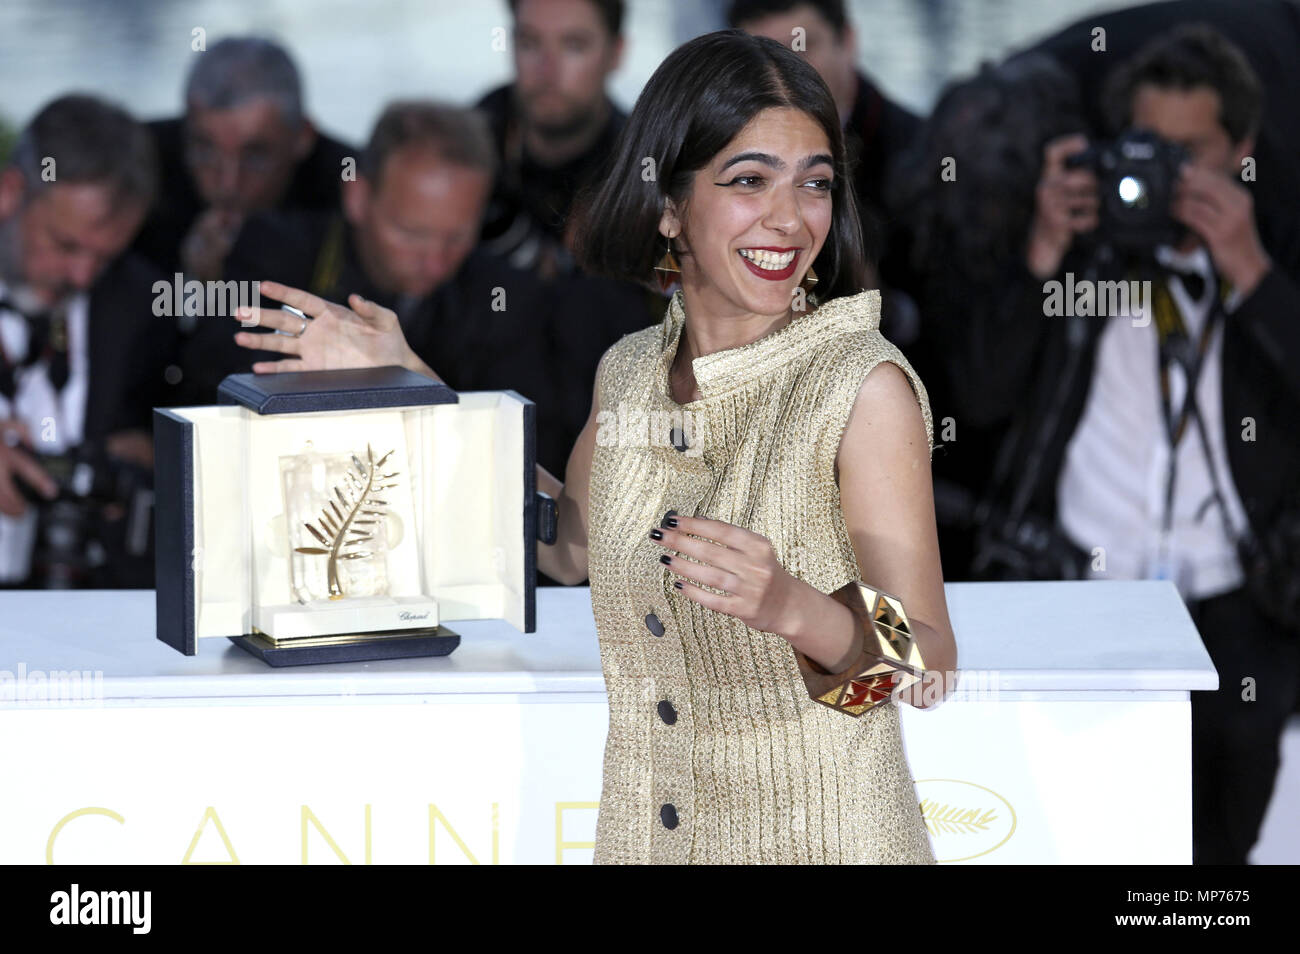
(566, 559)
(887, 498)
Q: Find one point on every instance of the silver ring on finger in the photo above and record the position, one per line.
(297, 314)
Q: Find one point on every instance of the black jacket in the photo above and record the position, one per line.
(1008, 362)
(877, 133)
(132, 351)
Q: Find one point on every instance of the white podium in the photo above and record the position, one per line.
(1067, 740)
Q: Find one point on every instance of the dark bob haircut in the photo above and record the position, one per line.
(698, 100)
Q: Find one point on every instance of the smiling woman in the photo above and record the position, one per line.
(808, 491)
(748, 570)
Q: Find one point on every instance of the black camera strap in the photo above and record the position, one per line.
(1271, 583)
(1175, 346)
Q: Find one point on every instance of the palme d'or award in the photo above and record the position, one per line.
(344, 516)
(351, 517)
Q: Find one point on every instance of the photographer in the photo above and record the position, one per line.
(80, 364)
(1159, 442)
(245, 144)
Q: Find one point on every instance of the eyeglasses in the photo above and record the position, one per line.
(255, 160)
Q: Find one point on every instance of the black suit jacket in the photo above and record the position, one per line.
(131, 350)
(1007, 362)
(876, 135)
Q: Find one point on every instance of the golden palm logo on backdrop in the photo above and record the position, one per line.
(965, 820)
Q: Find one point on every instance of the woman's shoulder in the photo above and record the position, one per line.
(844, 360)
(845, 335)
(855, 350)
(637, 344)
(636, 347)
(633, 352)
(857, 311)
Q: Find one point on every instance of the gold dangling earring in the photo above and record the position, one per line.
(667, 268)
(809, 280)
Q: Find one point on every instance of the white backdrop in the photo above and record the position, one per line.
(494, 753)
(516, 780)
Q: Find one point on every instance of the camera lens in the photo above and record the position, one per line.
(1133, 192)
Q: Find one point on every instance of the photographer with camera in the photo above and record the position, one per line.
(1158, 441)
(82, 360)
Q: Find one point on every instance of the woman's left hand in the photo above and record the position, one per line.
(741, 563)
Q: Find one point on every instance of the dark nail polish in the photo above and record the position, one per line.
(671, 522)
(665, 558)
(656, 534)
(678, 584)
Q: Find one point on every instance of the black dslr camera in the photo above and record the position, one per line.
(1136, 175)
(1028, 548)
(98, 531)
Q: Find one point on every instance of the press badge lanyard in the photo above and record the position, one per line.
(1175, 346)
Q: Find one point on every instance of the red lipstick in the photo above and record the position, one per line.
(772, 275)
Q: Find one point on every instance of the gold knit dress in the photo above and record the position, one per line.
(716, 752)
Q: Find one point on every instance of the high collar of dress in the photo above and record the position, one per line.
(724, 370)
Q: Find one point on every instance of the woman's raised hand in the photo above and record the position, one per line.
(333, 336)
